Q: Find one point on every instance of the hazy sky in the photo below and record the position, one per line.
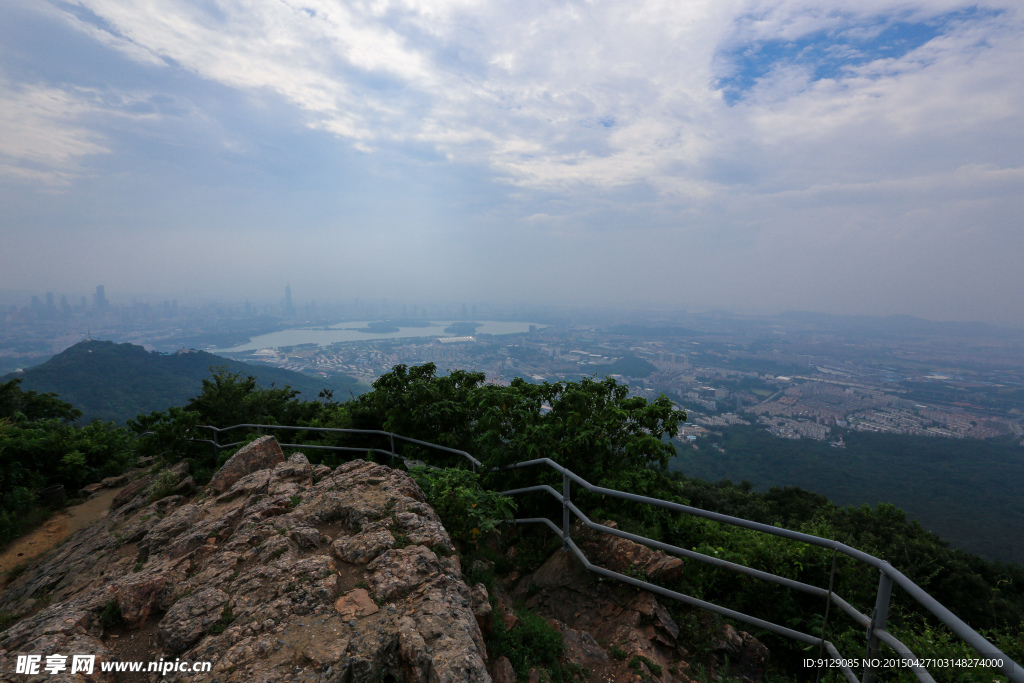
(756, 155)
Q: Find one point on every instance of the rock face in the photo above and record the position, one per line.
(621, 555)
(281, 570)
(616, 631)
(261, 454)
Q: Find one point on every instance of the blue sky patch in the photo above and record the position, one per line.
(828, 53)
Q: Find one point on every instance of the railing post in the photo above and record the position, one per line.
(392, 437)
(565, 512)
(259, 431)
(828, 606)
(878, 619)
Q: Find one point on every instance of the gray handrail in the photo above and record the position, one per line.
(955, 624)
(874, 625)
(380, 432)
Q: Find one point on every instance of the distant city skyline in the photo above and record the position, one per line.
(354, 308)
(755, 157)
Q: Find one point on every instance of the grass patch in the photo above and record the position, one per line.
(441, 551)
(532, 643)
(639, 661)
(226, 617)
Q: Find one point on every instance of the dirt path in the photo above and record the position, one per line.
(53, 532)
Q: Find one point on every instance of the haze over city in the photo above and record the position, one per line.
(752, 156)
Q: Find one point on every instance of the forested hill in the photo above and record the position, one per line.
(960, 489)
(116, 382)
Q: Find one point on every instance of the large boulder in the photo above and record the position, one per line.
(261, 454)
(293, 572)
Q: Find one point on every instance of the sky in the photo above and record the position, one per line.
(749, 155)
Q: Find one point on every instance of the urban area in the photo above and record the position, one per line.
(798, 375)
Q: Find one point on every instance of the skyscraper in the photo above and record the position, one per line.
(100, 298)
(289, 309)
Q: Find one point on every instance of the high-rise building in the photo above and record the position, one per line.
(289, 308)
(100, 298)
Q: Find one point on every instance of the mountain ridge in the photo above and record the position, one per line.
(115, 382)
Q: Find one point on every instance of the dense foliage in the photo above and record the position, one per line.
(594, 426)
(41, 447)
(471, 512)
(227, 399)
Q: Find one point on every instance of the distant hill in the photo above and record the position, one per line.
(116, 382)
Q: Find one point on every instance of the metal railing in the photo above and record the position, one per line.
(874, 625)
(474, 463)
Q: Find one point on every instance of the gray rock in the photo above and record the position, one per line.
(261, 548)
(170, 527)
(191, 618)
(90, 489)
(363, 547)
(398, 572)
(261, 454)
(503, 671)
(185, 487)
(745, 656)
(130, 491)
(114, 482)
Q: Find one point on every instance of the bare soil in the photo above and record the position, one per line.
(52, 533)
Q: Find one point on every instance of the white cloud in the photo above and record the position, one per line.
(40, 137)
(601, 120)
(580, 95)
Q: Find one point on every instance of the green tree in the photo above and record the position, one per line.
(33, 405)
(593, 427)
(230, 398)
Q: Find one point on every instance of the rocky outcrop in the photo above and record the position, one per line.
(622, 555)
(616, 631)
(280, 570)
(263, 453)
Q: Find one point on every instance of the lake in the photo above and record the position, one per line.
(342, 332)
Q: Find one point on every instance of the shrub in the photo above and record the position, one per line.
(532, 643)
(110, 616)
(162, 485)
(466, 509)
